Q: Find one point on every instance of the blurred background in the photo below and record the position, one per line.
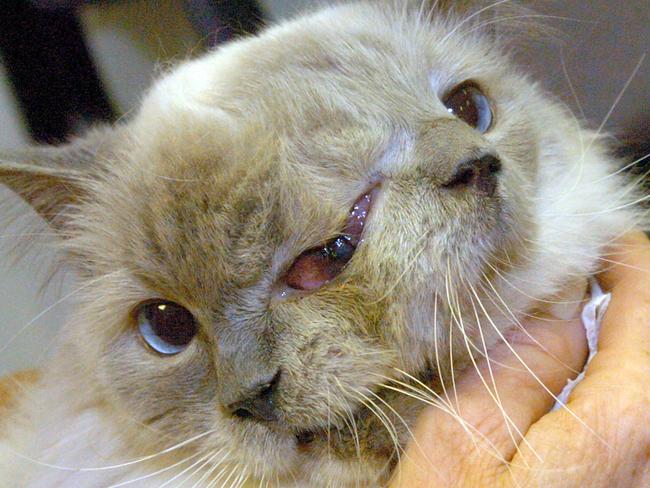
(67, 64)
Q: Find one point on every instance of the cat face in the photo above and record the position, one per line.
(323, 209)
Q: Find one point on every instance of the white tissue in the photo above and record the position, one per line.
(592, 316)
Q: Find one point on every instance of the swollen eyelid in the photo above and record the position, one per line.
(320, 265)
(357, 219)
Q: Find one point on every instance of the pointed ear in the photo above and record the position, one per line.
(52, 179)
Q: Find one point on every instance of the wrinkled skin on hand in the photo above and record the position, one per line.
(602, 438)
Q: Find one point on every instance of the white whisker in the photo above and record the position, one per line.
(189, 468)
(155, 473)
(58, 302)
(114, 466)
(619, 96)
(536, 378)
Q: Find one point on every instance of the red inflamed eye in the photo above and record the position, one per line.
(320, 265)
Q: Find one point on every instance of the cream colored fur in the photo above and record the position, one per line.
(295, 124)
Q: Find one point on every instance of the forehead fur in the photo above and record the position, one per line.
(343, 65)
(268, 141)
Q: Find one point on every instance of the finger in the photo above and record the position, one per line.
(525, 370)
(627, 262)
(624, 342)
(604, 433)
(622, 365)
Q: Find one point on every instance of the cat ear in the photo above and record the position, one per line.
(54, 178)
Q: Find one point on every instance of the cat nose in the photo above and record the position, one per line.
(257, 401)
(478, 174)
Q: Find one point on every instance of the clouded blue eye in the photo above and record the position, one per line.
(467, 102)
(166, 327)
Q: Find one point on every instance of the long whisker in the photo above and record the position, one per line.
(231, 473)
(155, 473)
(47, 309)
(355, 432)
(379, 413)
(537, 378)
(240, 480)
(616, 264)
(190, 467)
(441, 376)
(415, 393)
(194, 472)
(537, 299)
(262, 479)
(622, 169)
(209, 472)
(451, 331)
(608, 210)
(495, 396)
(349, 421)
(470, 17)
(425, 387)
(114, 466)
(521, 326)
(218, 476)
(408, 429)
(466, 426)
(619, 96)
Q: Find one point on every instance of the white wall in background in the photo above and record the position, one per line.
(132, 40)
(12, 132)
(20, 298)
(282, 9)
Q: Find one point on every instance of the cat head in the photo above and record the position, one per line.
(295, 220)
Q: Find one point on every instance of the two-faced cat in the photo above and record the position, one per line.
(286, 227)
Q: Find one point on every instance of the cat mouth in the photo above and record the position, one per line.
(363, 422)
(308, 439)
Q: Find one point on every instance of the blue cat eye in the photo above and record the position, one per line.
(166, 327)
(467, 102)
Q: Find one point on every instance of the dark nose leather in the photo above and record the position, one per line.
(478, 174)
(257, 403)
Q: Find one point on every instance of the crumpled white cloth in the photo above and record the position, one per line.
(592, 317)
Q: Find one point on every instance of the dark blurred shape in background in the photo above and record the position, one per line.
(53, 76)
(51, 71)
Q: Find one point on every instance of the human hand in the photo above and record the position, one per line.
(602, 438)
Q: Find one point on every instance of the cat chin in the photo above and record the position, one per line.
(359, 452)
(328, 472)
